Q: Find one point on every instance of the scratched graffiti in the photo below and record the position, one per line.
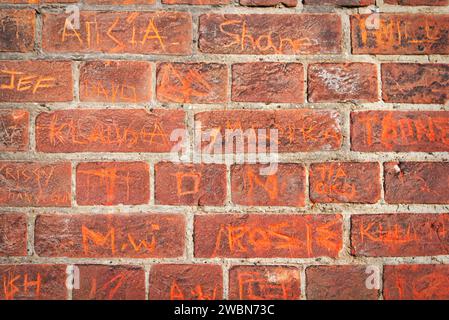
(14, 130)
(17, 30)
(119, 32)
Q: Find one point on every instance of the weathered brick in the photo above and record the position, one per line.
(14, 127)
(33, 282)
(270, 34)
(418, 2)
(111, 183)
(268, 82)
(267, 236)
(119, 32)
(186, 282)
(107, 130)
(343, 3)
(389, 33)
(268, 3)
(35, 184)
(197, 2)
(400, 131)
(13, 234)
(342, 82)
(117, 2)
(17, 30)
(192, 82)
(35, 81)
(98, 282)
(354, 182)
(284, 187)
(115, 81)
(110, 235)
(190, 184)
(399, 234)
(415, 83)
(416, 282)
(264, 283)
(299, 130)
(416, 182)
(342, 282)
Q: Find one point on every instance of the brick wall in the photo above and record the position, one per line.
(89, 188)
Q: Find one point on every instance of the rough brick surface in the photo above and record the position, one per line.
(298, 130)
(418, 2)
(118, 32)
(267, 236)
(97, 282)
(331, 82)
(416, 182)
(101, 130)
(338, 283)
(421, 131)
(268, 3)
(285, 187)
(400, 34)
(13, 234)
(270, 34)
(18, 27)
(33, 282)
(110, 183)
(35, 81)
(115, 81)
(112, 235)
(416, 282)
(186, 282)
(268, 82)
(400, 234)
(345, 3)
(14, 130)
(264, 283)
(35, 184)
(345, 182)
(190, 184)
(415, 83)
(192, 82)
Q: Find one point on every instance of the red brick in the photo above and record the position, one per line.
(107, 130)
(342, 82)
(299, 130)
(268, 3)
(415, 83)
(268, 82)
(17, 33)
(35, 184)
(400, 234)
(270, 33)
(285, 187)
(267, 236)
(14, 126)
(400, 34)
(400, 131)
(120, 32)
(418, 2)
(35, 81)
(417, 182)
(115, 81)
(197, 2)
(13, 234)
(342, 282)
(343, 3)
(118, 2)
(353, 182)
(416, 282)
(264, 283)
(111, 183)
(110, 235)
(33, 282)
(97, 282)
(190, 184)
(192, 82)
(186, 282)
